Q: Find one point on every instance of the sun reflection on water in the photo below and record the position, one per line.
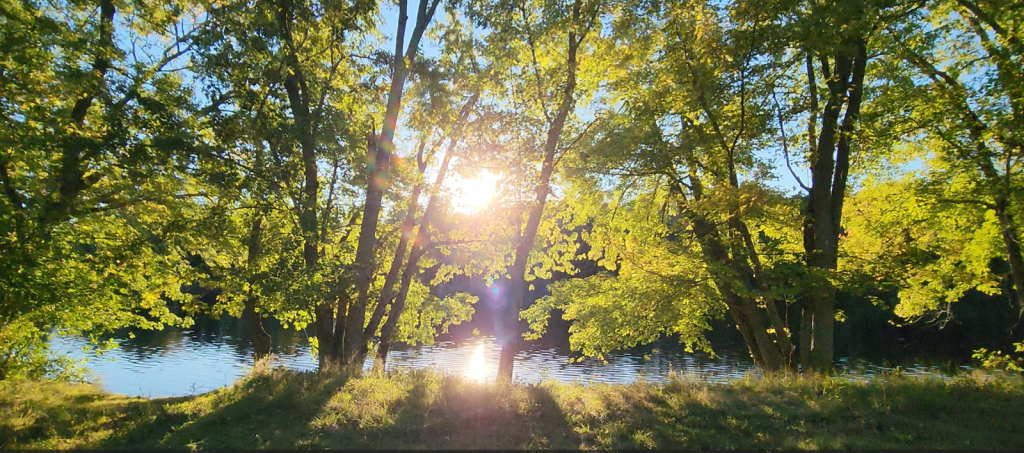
(476, 365)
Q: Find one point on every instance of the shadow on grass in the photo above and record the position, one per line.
(269, 409)
(282, 409)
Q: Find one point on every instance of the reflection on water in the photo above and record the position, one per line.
(477, 371)
(175, 362)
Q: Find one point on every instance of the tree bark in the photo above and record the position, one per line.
(829, 175)
(517, 284)
(378, 180)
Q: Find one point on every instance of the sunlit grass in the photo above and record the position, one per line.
(420, 409)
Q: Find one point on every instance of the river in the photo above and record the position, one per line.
(214, 353)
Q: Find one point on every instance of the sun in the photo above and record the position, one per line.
(472, 194)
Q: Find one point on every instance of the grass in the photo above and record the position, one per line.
(279, 409)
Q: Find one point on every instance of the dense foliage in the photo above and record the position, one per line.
(308, 160)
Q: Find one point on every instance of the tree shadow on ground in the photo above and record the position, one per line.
(268, 409)
(283, 409)
(63, 413)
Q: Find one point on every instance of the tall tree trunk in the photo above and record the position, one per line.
(767, 353)
(259, 336)
(806, 303)
(1013, 250)
(387, 333)
(378, 182)
(770, 352)
(298, 101)
(408, 225)
(758, 275)
(828, 189)
(517, 283)
(388, 294)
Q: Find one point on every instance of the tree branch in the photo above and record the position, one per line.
(976, 202)
(785, 145)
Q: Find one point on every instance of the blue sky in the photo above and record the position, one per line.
(389, 26)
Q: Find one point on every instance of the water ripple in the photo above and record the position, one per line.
(184, 363)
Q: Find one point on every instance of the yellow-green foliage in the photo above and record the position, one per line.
(421, 409)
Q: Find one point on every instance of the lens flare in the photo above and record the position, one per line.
(473, 194)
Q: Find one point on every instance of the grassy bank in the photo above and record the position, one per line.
(284, 409)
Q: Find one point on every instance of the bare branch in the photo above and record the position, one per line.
(785, 145)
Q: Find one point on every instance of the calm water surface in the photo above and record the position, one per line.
(175, 362)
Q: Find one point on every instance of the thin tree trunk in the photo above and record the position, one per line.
(781, 329)
(806, 324)
(517, 284)
(807, 304)
(745, 312)
(388, 294)
(408, 225)
(422, 239)
(378, 181)
(770, 354)
(767, 353)
(260, 337)
(387, 333)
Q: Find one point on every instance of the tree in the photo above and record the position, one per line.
(421, 242)
(290, 66)
(843, 63)
(381, 148)
(959, 79)
(528, 29)
(97, 188)
(674, 229)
